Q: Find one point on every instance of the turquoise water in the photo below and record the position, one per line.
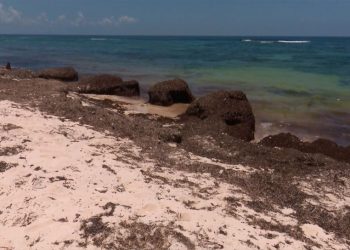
(298, 84)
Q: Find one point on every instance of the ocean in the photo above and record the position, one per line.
(295, 84)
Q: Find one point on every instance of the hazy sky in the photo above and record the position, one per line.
(176, 17)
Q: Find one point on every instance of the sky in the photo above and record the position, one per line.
(176, 17)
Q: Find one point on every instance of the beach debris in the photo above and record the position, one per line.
(4, 166)
(222, 112)
(170, 135)
(108, 85)
(66, 74)
(16, 74)
(169, 92)
(101, 189)
(120, 188)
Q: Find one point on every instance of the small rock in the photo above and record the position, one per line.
(102, 190)
(120, 188)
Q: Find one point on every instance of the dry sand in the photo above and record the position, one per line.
(65, 186)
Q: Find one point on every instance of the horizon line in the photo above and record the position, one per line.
(153, 35)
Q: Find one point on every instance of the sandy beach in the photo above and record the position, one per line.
(84, 171)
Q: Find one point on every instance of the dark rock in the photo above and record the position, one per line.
(108, 85)
(170, 92)
(170, 135)
(329, 148)
(66, 74)
(320, 146)
(8, 66)
(131, 88)
(222, 112)
(282, 140)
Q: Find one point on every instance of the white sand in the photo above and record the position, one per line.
(32, 207)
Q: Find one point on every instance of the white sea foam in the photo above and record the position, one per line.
(278, 41)
(293, 41)
(98, 39)
(266, 42)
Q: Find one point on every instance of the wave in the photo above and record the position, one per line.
(98, 39)
(266, 42)
(295, 41)
(275, 41)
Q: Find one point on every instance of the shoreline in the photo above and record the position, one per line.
(267, 123)
(294, 80)
(126, 176)
(264, 127)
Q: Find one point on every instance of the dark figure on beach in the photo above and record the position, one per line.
(8, 66)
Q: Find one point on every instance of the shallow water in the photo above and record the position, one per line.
(295, 84)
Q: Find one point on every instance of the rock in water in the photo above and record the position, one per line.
(66, 74)
(170, 92)
(108, 85)
(222, 112)
(8, 66)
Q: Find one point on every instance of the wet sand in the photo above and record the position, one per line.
(140, 106)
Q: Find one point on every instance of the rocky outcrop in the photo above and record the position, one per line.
(170, 92)
(321, 146)
(66, 74)
(222, 112)
(108, 85)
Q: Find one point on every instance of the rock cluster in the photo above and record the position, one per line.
(221, 112)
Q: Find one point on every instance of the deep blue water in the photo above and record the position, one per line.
(301, 82)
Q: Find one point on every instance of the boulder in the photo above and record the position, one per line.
(66, 74)
(329, 148)
(282, 140)
(319, 146)
(108, 85)
(169, 92)
(222, 112)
